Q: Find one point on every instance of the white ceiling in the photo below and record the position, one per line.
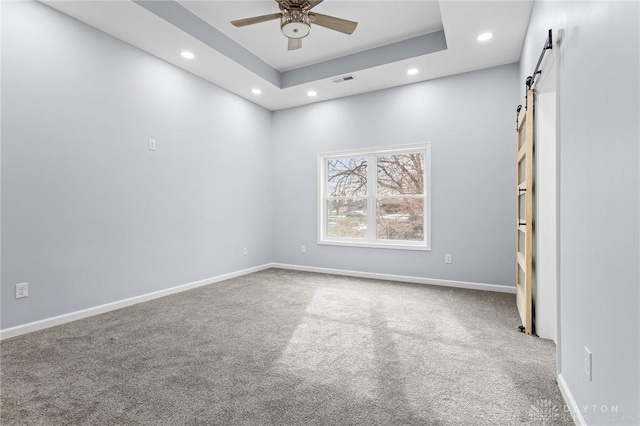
(256, 56)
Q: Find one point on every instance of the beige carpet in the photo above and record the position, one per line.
(282, 347)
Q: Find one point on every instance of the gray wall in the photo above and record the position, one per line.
(89, 214)
(599, 92)
(469, 120)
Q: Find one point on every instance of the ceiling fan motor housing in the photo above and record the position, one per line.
(295, 24)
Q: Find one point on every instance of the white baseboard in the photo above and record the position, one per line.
(574, 409)
(84, 313)
(401, 278)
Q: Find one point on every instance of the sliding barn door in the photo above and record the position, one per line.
(524, 255)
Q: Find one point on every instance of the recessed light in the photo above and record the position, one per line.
(485, 36)
(187, 55)
(256, 91)
(312, 93)
(413, 71)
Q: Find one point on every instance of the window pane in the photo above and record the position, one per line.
(400, 219)
(347, 218)
(522, 171)
(401, 174)
(522, 135)
(347, 177)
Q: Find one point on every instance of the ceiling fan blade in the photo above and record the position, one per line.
(256, 19)
(314, 3)
(333, 23)
(295, 44)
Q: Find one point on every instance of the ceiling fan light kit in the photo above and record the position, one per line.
(295, 21)
(295, 24)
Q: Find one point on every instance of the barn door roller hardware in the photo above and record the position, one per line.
(548, 45)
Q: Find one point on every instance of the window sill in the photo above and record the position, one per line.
(396, 246)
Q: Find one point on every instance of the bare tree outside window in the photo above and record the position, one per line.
(347, 206)
(400, 205)
(390, 187)
(347, 177)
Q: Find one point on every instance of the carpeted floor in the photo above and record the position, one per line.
(283, 347)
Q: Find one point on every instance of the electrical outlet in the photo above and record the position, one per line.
(447, 258)
(152, 144)
(303, 249)
(244, 251)
(22, 290)
(587, 363)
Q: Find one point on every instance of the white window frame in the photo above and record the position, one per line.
(372, 182)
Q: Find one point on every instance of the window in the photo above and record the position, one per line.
(375, 198)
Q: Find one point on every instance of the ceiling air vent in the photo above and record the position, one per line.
(343, 79)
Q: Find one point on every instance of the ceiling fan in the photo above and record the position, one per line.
(296, 19)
